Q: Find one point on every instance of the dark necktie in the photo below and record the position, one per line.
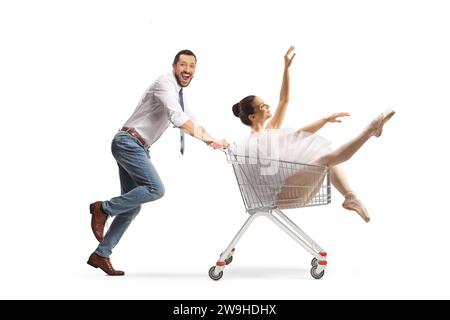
(181, 130)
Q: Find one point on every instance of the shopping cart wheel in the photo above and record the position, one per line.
(316, 275)
(213, 276)
(228, 261)
(314, 262)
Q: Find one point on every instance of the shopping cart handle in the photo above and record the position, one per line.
(215, 145)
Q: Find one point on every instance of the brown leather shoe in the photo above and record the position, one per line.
(103, 263)
(98, 219)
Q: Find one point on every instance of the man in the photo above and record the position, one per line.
(162, 104)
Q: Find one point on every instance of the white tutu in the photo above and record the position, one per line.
(270, 171)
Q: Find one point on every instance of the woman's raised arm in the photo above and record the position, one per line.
(280, 112)
(315, 126)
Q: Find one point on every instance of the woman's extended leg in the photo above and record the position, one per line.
(351, 202)
(346, 151)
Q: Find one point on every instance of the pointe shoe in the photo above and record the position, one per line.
(351, 202)
(376, 126)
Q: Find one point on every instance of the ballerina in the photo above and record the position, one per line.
(304, 145)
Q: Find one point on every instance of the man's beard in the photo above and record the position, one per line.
(179, 82)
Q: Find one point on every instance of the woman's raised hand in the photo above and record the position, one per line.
(289, 56)
(334, 117)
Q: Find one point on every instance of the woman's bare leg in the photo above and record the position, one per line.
(339, 180)
(344, 153)
(351, 202)
(347, 150)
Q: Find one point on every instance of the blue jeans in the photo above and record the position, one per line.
(140, 183)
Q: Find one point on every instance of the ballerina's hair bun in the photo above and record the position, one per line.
(237, 110)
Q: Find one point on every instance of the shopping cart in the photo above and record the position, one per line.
(269, 185)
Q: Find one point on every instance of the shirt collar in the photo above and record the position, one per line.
(176, 82)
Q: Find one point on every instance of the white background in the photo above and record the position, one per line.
(71, 73)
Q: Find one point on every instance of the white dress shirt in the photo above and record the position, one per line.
(159, 107)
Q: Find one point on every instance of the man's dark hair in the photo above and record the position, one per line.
(186, 52)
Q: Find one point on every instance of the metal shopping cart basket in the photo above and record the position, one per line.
(267, 186)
